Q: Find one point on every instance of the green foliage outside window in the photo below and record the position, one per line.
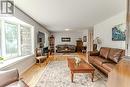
(1, 58)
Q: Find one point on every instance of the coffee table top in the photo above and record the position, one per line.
(82, 66)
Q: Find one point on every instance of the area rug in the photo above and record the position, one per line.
(57, 74)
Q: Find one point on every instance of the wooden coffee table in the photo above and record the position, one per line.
(83, 67)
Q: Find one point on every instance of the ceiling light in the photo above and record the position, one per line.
(67, 29)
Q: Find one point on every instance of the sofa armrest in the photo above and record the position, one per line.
(7, 77)
(93, 53)
(107, 62)
(20, 78)
(22, 84)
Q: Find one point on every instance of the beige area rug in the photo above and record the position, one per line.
(57, 74)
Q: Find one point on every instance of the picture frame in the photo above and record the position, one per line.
(119, 33)
(66, 39)
(84, 38)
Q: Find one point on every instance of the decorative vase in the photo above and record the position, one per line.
(77, 61)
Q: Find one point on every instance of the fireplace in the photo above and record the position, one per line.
(45, 50)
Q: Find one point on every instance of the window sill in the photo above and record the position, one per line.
(10, 62)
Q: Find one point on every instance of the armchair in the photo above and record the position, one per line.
(39, 55)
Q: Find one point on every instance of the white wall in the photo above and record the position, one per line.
(73, 35)
(104, 31)
(26, 63)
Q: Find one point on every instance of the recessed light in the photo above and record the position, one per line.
(67, 29)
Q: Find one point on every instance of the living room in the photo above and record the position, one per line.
(67, 43)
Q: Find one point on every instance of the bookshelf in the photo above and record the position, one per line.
(51, 43)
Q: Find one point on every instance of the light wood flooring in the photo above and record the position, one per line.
(32, 75)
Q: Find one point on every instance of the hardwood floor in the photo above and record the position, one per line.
(120, 74)
(32, 75)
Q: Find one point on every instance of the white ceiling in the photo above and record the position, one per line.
(57, 15)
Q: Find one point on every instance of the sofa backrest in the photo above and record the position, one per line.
(104, 51)
(113, 54)
(8, 77)
(122, 55)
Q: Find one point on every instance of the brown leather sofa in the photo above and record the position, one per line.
(10, 78)
(106, 58)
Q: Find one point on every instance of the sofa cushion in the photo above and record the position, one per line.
(104, 51)
(108, 66)
(100, 60)
(115, 54)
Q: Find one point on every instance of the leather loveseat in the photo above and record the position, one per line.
(106, 58)
(65, 48)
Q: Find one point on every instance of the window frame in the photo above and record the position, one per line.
(3, 41)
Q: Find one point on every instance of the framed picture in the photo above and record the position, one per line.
(84, 38)
(119, 33)
(65, 39)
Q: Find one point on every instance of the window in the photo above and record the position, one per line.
(16, 39)
(11, 39)
(25, 40)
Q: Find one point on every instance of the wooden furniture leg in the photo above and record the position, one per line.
(72, 76)
(40, 62)
(92, 76)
